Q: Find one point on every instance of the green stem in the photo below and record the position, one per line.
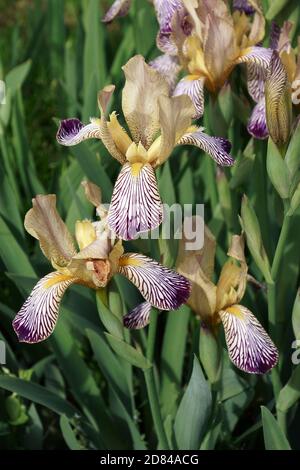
(151, 387)
(280, 247)
(272, 303)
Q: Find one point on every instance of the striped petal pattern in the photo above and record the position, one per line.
(72, 132)
(118, 9)
(168, 67)
(165, 10)
(135, 205)
(216, 147)
(194, 88)
(258, 55)
(257, 126)
(250, 347)
(161, 287)
(139, 317)
(37, 318)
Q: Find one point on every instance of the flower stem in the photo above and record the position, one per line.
(151, 386)
(272, 302)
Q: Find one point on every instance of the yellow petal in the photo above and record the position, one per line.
(175, 116)
(45, 224)
(104, 97)
(233, 278)
(119, 135)
(85, 233)
(143, 87)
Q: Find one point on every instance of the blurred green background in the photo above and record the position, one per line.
(73, 391)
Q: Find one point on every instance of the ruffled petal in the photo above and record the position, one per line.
(44, 223)
(168, 67)
(135, 204)
(37, 318)
(72, 131)
(216, 147)
(143, 87)
(175, 116)
(257, 126)
(161, 287)
(249, 346)
(139, 317)
(118, 9)
(194, 88)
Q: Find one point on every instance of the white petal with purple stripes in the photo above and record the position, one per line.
(250, 347)
(257, 55)
(72, 131)
(257, 126)
(139, 317)
(216, 147)
(37, 318)
(135, 204)
(168, 67)
(195, 90)
(161, 287)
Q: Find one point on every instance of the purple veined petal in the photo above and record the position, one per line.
(161, 287)
(258, 55)
(249, 346)
(243, 6)
(139, 317)
(165, 10)
(168, 67)
(118, 9)
(135, 204)
(256, 77)
(194, 88)
(72, 132)
(257, 126)
(37, 318)
(216, 147)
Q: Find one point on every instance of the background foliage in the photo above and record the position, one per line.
(85, 387)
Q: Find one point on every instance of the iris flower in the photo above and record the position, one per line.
(249, 346)
(157, 123)
(206, 41)
(99, 256)
(272, 87)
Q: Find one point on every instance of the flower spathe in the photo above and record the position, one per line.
(156, 123)
(99, 257)
(208, 41)
(249, 346)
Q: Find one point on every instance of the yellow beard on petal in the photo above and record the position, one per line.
(129, 262)
(136, 168)
(55, 280)
(235, 311)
